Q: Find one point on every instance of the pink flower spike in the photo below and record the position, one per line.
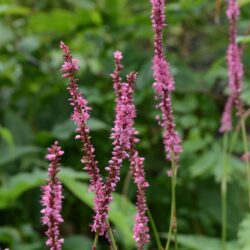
(235, 69)
(164, 83)
(226, 120)
(122, 133)
(81, 116)
(141, 230)
(52, 199)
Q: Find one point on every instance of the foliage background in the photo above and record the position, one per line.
(34, 111)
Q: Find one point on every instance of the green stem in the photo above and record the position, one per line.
(155, 232)
(232, 142)
(175, 240)
(173, 222)
(111, 236)
(224, 193)
(245, 143)
(95, 241)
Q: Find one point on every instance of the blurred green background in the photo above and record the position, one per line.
(34, 111)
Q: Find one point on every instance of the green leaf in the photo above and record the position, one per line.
(16, 152)
(8, 35)
(6, 135)
(14, 10)
(77, 242)
(9, 235)
(86, 4)
(18, 184)
(196, 242)
(243, 2)
(243, 233)
(58, 22)
(20, 129)
(96, 124)
(65, 129)
(67, 172)
(204, 165)
(22, 182)
(121, 212)
(243, 39)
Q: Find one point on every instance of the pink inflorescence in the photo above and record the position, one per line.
(141, 230)
(235, 69)
(52, 199)
(81, 116)
(226, 119)
(164, 83)
(121, 135)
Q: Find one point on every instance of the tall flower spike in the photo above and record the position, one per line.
(141, 230)
(164, 83)
(80, 116)
(235, 68)
(52, 199)
(121, 135)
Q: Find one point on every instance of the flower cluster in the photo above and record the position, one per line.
(121, 135)
(235, 69)
(164, 83)
(81, 116)
(52, 199)
(141, 230)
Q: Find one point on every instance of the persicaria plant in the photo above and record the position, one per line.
(125, 140)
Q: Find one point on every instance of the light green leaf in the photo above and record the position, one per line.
(121, 211)
(243, 39)
(243, 2)
(18, 184)
(197, 242)
(6, 135)
(8, 35)
(22, 182)
(243, 233)
(14, 10)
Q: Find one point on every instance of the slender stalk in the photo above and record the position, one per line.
(233, 141)
(111, 236)
(95, 242)
(155, 232)
(173, 221)
(224, 193)
(245, 143)
(175, 240)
